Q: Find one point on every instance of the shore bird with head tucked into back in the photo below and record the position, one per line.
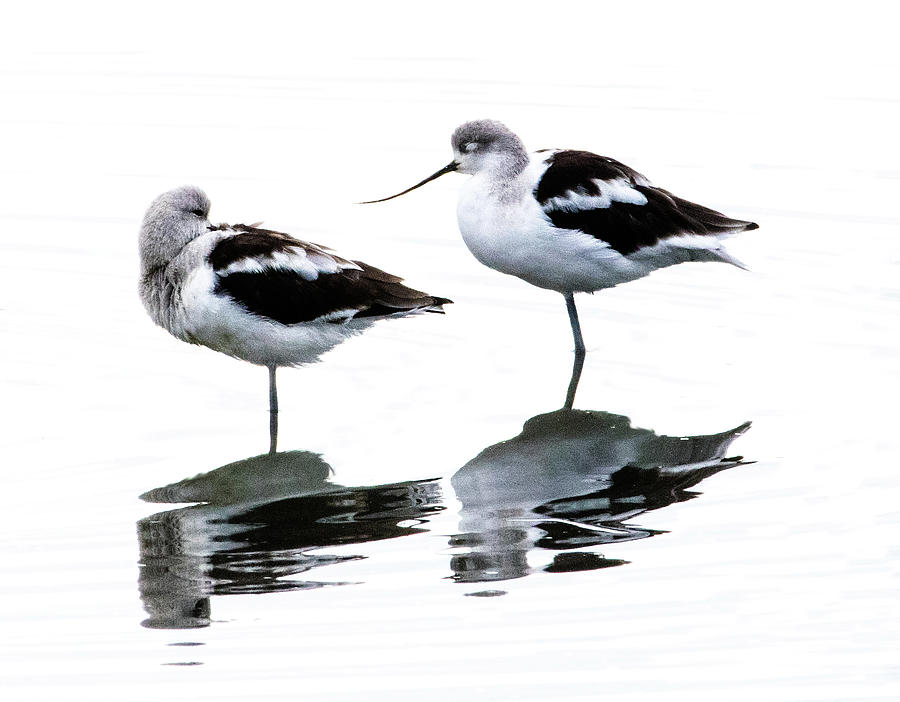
(258, 295)
(572, 221)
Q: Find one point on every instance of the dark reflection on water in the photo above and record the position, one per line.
(569, 481)
(263, 522)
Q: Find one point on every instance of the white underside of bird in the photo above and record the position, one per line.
(220, 323)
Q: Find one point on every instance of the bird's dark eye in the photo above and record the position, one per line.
(197, 212)
(471, 146)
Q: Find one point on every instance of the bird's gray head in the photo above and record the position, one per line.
(488, 145)
(482, 146)
(172, 221)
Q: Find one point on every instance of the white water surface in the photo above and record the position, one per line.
(344, 571)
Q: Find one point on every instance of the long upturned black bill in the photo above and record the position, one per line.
(449, 168)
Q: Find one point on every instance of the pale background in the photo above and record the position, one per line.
(779, 583)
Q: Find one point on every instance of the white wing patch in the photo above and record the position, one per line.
(338, 315)
(618, 190)
(308, 265)
(685, 247)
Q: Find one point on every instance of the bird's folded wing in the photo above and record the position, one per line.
(615, 204)
(289, 281)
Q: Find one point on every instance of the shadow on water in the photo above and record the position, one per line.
(569, 481)
(261, 525)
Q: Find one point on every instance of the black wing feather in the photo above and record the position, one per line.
(251, 242)
(625, 226)
(577, 171)
(286, 297)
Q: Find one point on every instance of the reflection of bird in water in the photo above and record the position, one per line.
(263, 522)
(569, 481)
(255, 294)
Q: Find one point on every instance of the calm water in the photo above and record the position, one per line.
(716, 519)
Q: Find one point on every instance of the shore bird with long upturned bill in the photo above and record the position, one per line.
(259, 295)
(572, 221)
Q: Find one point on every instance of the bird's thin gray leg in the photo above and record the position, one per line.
(576, 376)
(578, 364)
(273, 411)
(573, 318)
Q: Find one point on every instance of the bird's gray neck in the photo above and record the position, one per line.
(506, 182)
(509, 163)
(159, 295)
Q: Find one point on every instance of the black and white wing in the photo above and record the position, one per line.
(278, 277)
(614, 203)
